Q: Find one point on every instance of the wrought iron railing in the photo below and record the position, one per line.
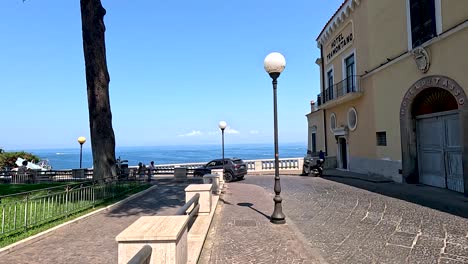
(346, 86)
(22, 211)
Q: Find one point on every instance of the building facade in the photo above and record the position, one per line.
(394, 80)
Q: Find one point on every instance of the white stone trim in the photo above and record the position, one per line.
(408, 25)
(352, 109)
(331, 127)
(340, 16)
(438, 16)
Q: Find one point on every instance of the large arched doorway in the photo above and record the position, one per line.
(434, 122)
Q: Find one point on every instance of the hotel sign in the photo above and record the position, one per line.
(339, 43)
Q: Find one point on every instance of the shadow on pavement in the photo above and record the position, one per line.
(250, 206)
(167, 195)
(436, 198)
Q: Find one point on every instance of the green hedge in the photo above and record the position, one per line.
(7, 159)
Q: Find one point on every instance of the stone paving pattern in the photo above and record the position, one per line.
(241, 231)
(92, 240)
(354, 221)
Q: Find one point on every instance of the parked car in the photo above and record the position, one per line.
(234, 168)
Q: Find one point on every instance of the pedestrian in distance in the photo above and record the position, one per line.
(321, 155)
(151, 169)
(141, 170)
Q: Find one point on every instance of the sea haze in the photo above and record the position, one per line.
(69, 158)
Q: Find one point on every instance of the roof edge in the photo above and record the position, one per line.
(343, 12)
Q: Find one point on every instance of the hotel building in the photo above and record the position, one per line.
(394, 80)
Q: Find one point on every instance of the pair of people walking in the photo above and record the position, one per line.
(142, 170)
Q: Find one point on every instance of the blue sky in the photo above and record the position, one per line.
(177, 68)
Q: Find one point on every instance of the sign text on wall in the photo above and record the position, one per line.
(340, 42)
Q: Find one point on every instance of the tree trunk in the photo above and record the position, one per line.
(97, 79)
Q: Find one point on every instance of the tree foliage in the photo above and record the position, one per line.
(7, 159)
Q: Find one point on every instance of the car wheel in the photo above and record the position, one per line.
(227, 177)
(197, 175)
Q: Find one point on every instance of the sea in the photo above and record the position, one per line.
(69, 158)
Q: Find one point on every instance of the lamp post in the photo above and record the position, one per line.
(81, 140)
(222, 125)
(274, 64)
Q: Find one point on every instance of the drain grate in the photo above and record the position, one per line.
(245, 223)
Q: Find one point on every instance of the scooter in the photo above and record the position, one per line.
(317, 169)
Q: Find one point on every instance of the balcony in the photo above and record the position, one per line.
(344, 91)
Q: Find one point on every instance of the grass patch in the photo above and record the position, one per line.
(8, 240)
(6, 189)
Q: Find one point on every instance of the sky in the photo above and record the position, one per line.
(176, 69)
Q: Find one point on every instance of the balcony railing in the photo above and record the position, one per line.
(346, 86)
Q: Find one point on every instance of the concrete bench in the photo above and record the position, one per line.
(167, 236)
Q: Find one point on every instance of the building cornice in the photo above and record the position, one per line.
(340, 16)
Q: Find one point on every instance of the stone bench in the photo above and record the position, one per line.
(169, 236)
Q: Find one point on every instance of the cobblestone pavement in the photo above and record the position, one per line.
(242, 233)
(92, 240)
(351, 224)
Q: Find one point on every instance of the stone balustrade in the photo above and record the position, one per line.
(171, 239)
(288, 165)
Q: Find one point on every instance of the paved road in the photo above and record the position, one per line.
(92, 240)
(351, 224)
(241, 232)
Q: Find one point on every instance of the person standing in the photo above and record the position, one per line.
(151, 169)
(141, 170)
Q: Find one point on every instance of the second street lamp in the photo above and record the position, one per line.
(222, 125)
(274, 64)
(81, 140)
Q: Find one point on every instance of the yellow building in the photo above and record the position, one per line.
(394, 79)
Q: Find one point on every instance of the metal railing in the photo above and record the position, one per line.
(22, 211)
(346, 86)
(35, 176)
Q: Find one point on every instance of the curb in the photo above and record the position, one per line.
(43, 234)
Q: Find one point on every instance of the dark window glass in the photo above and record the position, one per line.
(423, 26)
(314, 143)
(381, 138)
(329, 92)
(350, 74)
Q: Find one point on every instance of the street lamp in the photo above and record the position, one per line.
(274, 64)
(222, 125)
(81, 140)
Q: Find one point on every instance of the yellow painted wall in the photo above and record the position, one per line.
(380, 32)
(453, 13)
(391, 84)
(362, 139)
(316, 119)
(388, 31)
